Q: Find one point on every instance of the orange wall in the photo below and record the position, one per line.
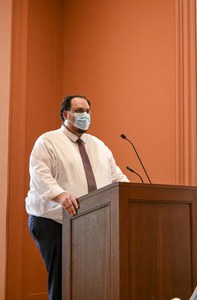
(134, 60)
(5, 33)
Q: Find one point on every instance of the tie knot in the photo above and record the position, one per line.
(79, 141)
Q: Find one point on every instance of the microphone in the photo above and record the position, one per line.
(123, 136)
(131, 170)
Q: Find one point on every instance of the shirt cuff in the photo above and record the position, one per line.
(51, 194)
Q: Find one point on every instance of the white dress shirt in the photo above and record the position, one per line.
(56, 166)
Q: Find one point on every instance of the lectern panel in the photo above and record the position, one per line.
(160, 250)
(90, 255)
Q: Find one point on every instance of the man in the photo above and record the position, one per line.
(58, 176)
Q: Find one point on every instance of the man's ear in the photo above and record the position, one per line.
(65, 114)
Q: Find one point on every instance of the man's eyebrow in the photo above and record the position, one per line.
(81, 109)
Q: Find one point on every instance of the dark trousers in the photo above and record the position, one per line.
(48, 236)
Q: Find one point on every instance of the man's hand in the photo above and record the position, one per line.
(68, 202)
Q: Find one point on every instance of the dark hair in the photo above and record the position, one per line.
(66, 104)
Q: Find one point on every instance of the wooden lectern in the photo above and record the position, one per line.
(132, 242)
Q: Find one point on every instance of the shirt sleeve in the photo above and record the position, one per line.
(43, 171)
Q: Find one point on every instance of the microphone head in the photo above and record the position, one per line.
(131, 170)
(123, 136)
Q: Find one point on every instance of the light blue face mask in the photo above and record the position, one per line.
(82, 120)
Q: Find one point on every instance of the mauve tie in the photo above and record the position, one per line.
(87, 166)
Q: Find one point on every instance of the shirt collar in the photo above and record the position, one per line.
(72, 136)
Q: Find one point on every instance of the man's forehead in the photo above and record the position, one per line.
(79, 102)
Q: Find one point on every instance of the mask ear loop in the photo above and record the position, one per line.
(67, 120)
